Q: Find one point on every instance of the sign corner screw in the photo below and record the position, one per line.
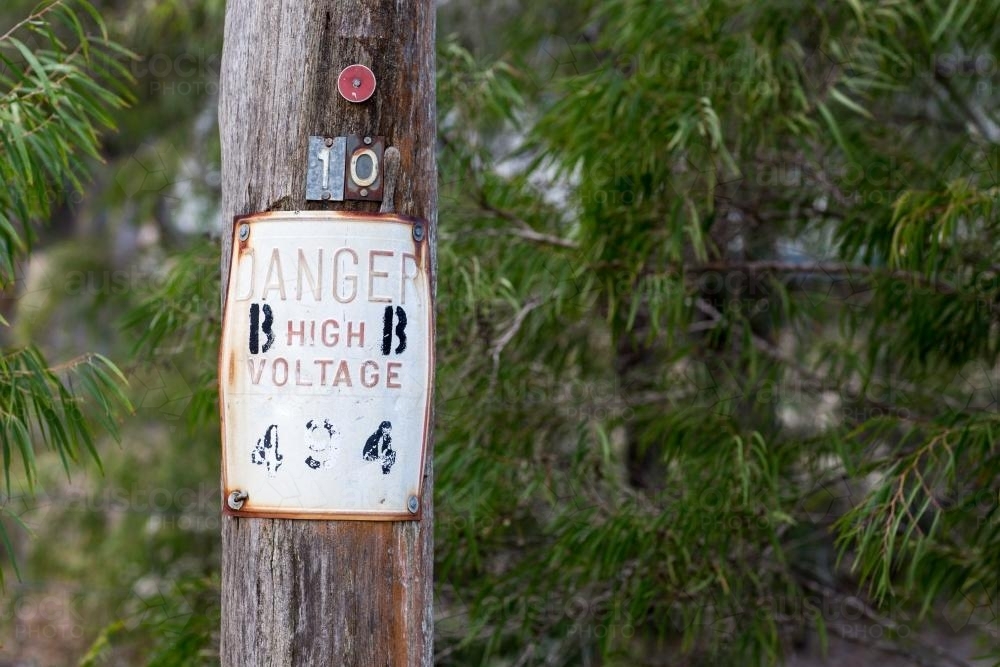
(413, 505)
(244, 231)
(418, 232)
(236, 499)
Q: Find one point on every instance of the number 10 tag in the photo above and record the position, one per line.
(342, 168)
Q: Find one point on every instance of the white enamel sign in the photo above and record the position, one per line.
(326, 366)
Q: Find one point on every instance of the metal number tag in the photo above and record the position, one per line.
(345, 168)
(325, 175)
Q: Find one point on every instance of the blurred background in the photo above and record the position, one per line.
(717, 343)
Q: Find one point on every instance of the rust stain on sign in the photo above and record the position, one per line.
(328, 348)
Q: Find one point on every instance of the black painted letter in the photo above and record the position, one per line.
(256, 328)
(254, 325)
(387, 330)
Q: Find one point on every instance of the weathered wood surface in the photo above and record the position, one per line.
(313, 592)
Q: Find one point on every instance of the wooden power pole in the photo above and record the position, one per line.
(307, 592)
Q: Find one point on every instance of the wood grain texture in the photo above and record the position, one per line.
(317, 592)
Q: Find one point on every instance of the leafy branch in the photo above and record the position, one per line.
(55, 97)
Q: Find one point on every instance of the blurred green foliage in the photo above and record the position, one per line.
(60, 82)
(733, 360)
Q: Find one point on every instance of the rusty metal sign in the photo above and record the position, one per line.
(326, 366)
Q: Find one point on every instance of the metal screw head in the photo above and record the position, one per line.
(244, 231)
(236, 499)
(368, 141)
(413, 505)
(418, 232)
(329, 141)
(364, 192)
(326, 195)
(356, 83)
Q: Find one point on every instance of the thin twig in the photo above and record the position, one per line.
(528, 233)
(524, 230)
(512, 330)
(824, 268)
(532, 235)
(974, 115)
(807, 376)
(859, 605)
(33, 17)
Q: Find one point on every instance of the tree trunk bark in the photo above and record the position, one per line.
(325, 592)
